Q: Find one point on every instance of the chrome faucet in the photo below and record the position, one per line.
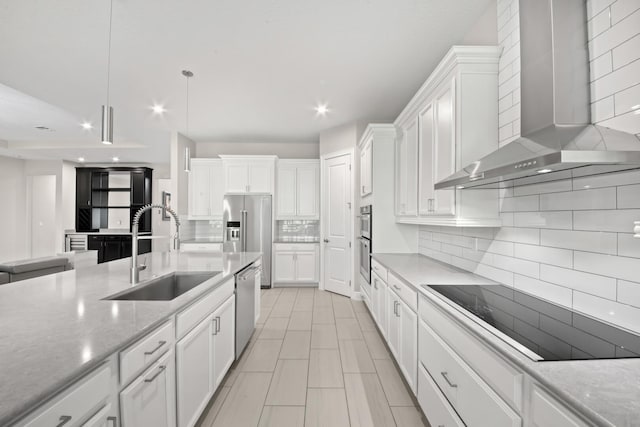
(135, 268)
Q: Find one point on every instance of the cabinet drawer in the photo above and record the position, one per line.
(79, 402)
(188, 318)
(433, 403)
(295, 247)
(548, 412)
(201, 247)
(143, 353)
(379, 269)
(506, 380)
(475, 402)
(404, 291)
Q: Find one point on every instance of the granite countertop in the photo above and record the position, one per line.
(56, 328)
(297, 239)
(606, 392)
(202, 240)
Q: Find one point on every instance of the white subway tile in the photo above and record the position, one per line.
(580, 281)
(507, 219)
(477, 256)
(615, 35)
(627, 100)
(441, 237)
(519, 235)
(594, 7)
(609, 311)
(620, 9)
(439, 256)
(451, 249)
(616, 81)
(629, 122)
(599, 23)
(548, 291)
(629, 246)
(543, 187)
(503, 5)
(600, 66)
(520, 204)
(627, 52)
(603, 109)
(629, 196)
(464, 264)
(509, 86)
(600, 198)
(588, 241)
(503, 17)
(500, 276)
(429, 244)
(509, 115)
(607, 180)
(629, 293)
(483, 233)
(611, 220)
(562, 220)
(607, 265)
(545, 255)
(496, 247)
(505, 103)
(520, 266)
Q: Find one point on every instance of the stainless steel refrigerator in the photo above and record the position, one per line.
(247, 227)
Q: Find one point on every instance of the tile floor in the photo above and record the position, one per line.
(315, 359)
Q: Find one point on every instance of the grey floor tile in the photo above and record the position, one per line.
(324, 336)
(326, 407)
(274, 328)
(323, 315)
(409, 416)
(303, 303)
(282, 416)
(366, 322)
(296, 345)
(322, 299)
(263, 356)
(359, 306)
(264, 315)
(325, 369)
(342, 307)
(300, 321)
(355, 357)
(213, 408)
(392, 383)
(376, 345)
(368, 406)
(348, 329)
(289, 383)
(282, 308)
(243, 405)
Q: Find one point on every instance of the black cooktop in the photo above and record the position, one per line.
(550, 331)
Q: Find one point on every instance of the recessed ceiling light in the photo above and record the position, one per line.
(322, 109)
(460, 187)
(81, 159)
(115, 159)
(636, 107)
(87, 126)
(158, 109)
(545, 170)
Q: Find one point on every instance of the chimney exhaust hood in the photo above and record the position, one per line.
(558, 140)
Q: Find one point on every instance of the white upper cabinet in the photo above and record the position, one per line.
(451, 122)
(366, 168)
(298, 189)
(206, 189)
(248, 174)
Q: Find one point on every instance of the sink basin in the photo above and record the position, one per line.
(164, 288)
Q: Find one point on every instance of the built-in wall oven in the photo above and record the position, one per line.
(365, 242)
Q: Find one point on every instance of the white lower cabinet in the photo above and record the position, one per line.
(548, 412)
(106, 417)
(378, 302)
(402, 336)
(150, 400)
(224, 348)
(296, 263)
(393, 326)
(434, 404)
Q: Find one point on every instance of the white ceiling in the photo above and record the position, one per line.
(260, 68)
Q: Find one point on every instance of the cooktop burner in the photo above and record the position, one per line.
(549, 331)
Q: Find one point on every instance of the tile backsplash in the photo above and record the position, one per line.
(567, 241)
(192, 229)
(509, 75)
(297, 228)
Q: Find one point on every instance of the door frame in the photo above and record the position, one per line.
(323, 215)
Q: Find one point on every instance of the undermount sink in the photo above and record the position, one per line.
(164, 288)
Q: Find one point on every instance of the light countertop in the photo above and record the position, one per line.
(297, 239)
(56, 328)
(200, 240)
(606, 391)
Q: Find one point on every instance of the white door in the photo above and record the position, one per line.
(286, 194)
(444, 149)
(408, 322)
(150, 399)
(224, 348)
(425, 201)
(307, 191)
(260, 177)
(236, 175)
(199, 190)
(375, 290)
(306, 266)
(105, 417)
(43, 218)
(337, 224)
(382, 307)
(194, 367)
(217, 188)
(285, 266)
(393, 326)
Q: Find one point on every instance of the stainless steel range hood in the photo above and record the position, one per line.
(557, 140)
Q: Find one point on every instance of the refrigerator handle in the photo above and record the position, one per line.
(243, 230)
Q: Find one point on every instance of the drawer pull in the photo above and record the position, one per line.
(160, 344)
(397, 288)
(215, 328)
(161, 368)
(114, 420)
(446, 378)
(218, 325)
(63, 420)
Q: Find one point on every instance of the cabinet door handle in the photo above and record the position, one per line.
(160, 344)
(114, 420)
(215, 328)
(375, 283)
(396, 287)
(161, 368)
(218, 325)
(63, 420)
(395, 307)
(445, 375)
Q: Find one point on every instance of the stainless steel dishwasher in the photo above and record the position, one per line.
(245, 305)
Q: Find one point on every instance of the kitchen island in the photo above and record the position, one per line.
(57, 328)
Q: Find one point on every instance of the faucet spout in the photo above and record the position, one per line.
(135, 268)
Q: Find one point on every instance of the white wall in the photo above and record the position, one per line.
(485, 30)
(13, 226)
(284, 150)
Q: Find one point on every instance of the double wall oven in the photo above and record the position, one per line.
(365, 242)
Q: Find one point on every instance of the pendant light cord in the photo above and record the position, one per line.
(109, 50)
(187, 106)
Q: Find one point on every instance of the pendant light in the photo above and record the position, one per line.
(107, 110)
(187, 153)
